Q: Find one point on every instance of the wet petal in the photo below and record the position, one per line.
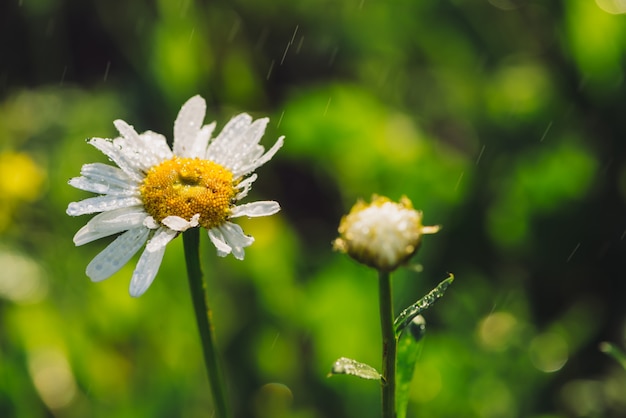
(198, 149)
(119, 156)
(108, 223)
(180, 224)
(246, 185)
(102, 204)
(128, 132)
(242, 171)
(107, 174)
(245, 147)
(256, 209)
(116, 254)
(150, 223)
(156, 145)
(218, 240)
(102, 187)
(161, 238)
(149, 262)
(232, 133)
(188, 125)
(235, 238)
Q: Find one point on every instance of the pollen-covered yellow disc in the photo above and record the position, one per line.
(186, 186)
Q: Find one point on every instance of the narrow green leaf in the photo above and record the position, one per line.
(408, 350)
(421, 305)
(352, 367)
(613, 351)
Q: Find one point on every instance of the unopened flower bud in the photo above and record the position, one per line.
(382, 234)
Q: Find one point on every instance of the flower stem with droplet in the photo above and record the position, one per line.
(191, 242)
(389, 345)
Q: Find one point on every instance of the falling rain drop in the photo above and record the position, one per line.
(458, 183)
(573, 252)
(546, 132)
(299, 47)
(269, 72)
(327, 105)
(280, 119)
(293, 37)
(63, 76)
(106, 71)
(480, 154)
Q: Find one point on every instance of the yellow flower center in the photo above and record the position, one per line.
(186, 186)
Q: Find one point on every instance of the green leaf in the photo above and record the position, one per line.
(613, 351)
(352, 367)
(408, 350)
(421, 305)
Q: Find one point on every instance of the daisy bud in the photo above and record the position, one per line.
(382, 234)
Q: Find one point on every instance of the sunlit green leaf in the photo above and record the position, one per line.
(614, 352)
(352, 367)
(407, 315)
(408, 350)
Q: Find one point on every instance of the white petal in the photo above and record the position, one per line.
(161, 238)
(149, 263)
(217, 239)
(116, 254)
(246, 184)
(242, 171)
(150, 223)
(102, 187)
(234, 235)
(107, 174)
(119, 156)
(187, 125)
(230, 136)
(256, 130)
(102, 204)
(181, 224)
(198, 149)
(256, 209)
(127, 132)
(245, 147)
(139, 152)
(235, 238)
(108, 223)
(156, 145)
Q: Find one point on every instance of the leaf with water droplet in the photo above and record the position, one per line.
(407, 315)
(352, 367)
(408, 350)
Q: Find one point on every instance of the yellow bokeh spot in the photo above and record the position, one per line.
(427, 384)
(613, 7)
(549, 352)
(496, 331)
(185, 187)
(20, 178)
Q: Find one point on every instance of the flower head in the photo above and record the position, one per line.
(155, 192)
(382, 234)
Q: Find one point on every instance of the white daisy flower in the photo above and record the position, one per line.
(156, 193)
(382, 234)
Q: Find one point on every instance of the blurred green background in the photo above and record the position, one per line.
(503, 120)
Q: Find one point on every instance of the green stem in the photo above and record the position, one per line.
(191, 242)
(389, 345)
